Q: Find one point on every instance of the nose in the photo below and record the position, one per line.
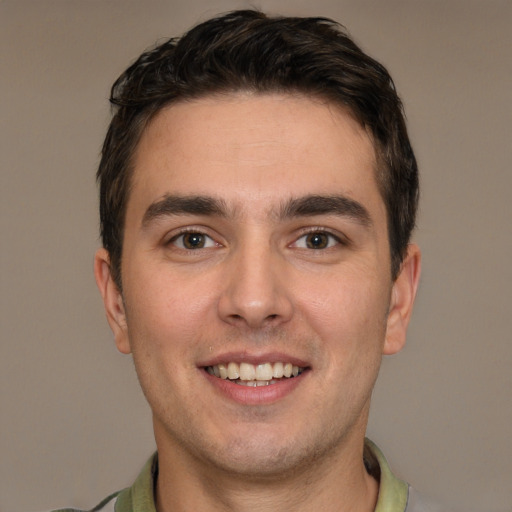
(255, 291)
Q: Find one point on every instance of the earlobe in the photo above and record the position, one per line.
(402, 301)
(112, 300)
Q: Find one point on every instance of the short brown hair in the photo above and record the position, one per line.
(249, 51)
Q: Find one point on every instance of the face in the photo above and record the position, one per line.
(257, 297)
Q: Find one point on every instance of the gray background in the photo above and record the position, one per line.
(74, 424)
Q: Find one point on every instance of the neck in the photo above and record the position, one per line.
(339, 483)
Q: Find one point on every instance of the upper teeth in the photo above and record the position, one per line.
(247, 371)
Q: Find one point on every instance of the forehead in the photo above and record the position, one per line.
(247, 148)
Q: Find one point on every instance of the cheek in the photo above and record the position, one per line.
(350, 323)
(162, 349)
(349, 308)
(165, 311)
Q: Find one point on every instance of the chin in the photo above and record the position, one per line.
(269, 457)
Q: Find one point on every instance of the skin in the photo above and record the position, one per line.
(256, 290)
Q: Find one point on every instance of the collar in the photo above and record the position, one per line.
(393, 492)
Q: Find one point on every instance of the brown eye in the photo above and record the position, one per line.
(317, 241)
(193, 240)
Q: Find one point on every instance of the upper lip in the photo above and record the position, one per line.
(253, 358)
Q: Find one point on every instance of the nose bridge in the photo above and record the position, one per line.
(255, 288)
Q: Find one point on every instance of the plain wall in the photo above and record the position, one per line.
(74, 424)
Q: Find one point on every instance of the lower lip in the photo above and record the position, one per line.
(259, 395)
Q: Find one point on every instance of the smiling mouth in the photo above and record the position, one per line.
(246, 374)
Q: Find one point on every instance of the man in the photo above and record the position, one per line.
(257, 193)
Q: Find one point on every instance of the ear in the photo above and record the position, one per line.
(402, 300)
(112, 299)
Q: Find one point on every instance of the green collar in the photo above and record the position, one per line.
(140, 496)
(393, 492)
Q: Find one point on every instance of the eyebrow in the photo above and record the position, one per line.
(340, 205)
(307, 206)
(184, 205)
